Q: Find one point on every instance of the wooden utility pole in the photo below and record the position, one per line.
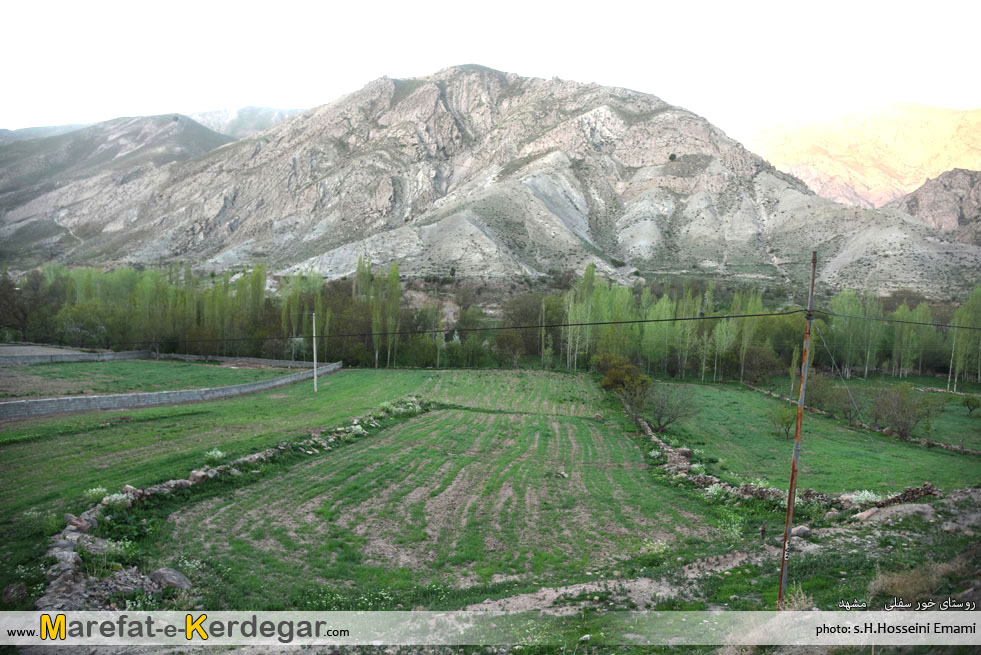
(792, 491)
(315, 352)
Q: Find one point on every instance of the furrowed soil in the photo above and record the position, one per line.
(520, 490)
(525, 476)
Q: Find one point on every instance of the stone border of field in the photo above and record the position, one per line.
(18, 409)
(66, 589)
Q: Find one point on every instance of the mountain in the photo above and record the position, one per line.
(9, 136)
(871, 159)
(950, 202)
(496, 177)
(244, 121)
(84, 170)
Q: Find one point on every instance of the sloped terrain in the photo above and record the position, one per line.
(9, 136)
(873, 158)
(493, 176)
(950, 202)
(84, 170)
(243, 121)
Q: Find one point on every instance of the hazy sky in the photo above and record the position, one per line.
(743, 65)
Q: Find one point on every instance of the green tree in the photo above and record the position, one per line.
(784, 418)
(393, 300)
(846, 333)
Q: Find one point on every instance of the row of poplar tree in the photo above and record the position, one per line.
(365, 320)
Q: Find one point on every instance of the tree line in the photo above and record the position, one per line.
(368, 320)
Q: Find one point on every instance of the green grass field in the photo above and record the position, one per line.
(458, 497)
(46, 462)
(128, 376)
(518, 391)
(733, 427)
(516, 480)
(953, 426)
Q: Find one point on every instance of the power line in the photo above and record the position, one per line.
(485, 329)
(896, 320)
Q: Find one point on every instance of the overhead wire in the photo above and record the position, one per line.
(858, 410)
(487, 328)
(896, 320)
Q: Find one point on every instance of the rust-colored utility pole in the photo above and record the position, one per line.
(792, 491)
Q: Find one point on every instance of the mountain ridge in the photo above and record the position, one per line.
(870, 159)
(950, 202)
(497, 176)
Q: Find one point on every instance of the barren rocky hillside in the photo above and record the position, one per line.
(489, 175)
(873, 158)
(950, 202)
(9, 136)
(244, 121)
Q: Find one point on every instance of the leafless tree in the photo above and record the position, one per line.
(664, 404)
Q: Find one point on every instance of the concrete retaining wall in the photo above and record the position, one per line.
(279, 363)
(27, 408)
(23, 360)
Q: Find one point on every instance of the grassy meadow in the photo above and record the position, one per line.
(127, 376)
(954, 426)
(515, 480)
(733, 428)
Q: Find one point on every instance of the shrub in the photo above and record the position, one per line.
(94, 495)
(654, 551)
(902, 410)
(760, 364)
(654, 547)
(972, 403)
(51, 524)
(716, 493)
(118, 501)
(214, 456)
(796, 599)
(731, 527)
(619, 374)
(123, 549)
(863, 497)
(43, 523)
(663, 405)
(142, 602)
(784, 418)
(916, 583)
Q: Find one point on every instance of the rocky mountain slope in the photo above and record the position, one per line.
(871, 159)
(9, 136)
(493, 176)
(85, 169)
(950, 202)
(244, 121)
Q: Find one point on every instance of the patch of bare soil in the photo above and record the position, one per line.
(256, 365)
(638, 590)
(20, 350)
(722, 562)
(16, 383)
(961, 508)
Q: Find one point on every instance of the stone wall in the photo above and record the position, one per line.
(24, 360)
(26, 408)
